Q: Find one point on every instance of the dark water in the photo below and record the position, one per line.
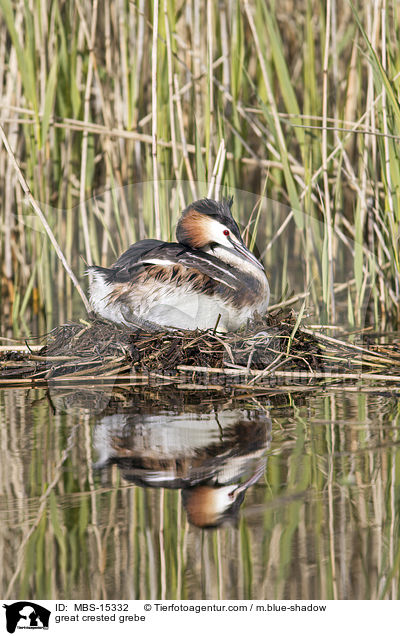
(134, 493)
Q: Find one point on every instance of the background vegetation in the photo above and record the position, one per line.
(294, 101)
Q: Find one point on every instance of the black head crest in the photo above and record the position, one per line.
(212, 208)
(219, 210)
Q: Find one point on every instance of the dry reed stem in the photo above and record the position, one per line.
(38, 211)
(183, 139)
(219, 160)
(210, 131)
(171, 108)
(340, 145)
(154, 125)
(327, 201)
(88, 90)
(188, 148)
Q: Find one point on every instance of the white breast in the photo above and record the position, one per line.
(167, 305)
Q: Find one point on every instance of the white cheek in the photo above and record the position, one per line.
(217, 232)
(224, 241)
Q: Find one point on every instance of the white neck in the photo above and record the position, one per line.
(237, 261)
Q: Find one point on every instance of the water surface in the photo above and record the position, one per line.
(138, 493)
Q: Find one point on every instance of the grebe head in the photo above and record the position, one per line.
(208, 224)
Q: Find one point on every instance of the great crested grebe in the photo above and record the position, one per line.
(208, 278)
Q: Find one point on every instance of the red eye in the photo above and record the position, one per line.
(226, 232)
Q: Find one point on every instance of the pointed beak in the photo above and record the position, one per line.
(258, 473)
(242, 249)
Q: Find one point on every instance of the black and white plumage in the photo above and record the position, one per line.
(207, 277)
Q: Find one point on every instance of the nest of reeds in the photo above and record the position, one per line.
(272, 346)
(100, 346)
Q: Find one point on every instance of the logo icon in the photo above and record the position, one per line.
(26, 615)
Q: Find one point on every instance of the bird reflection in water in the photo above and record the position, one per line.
(213, 458)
